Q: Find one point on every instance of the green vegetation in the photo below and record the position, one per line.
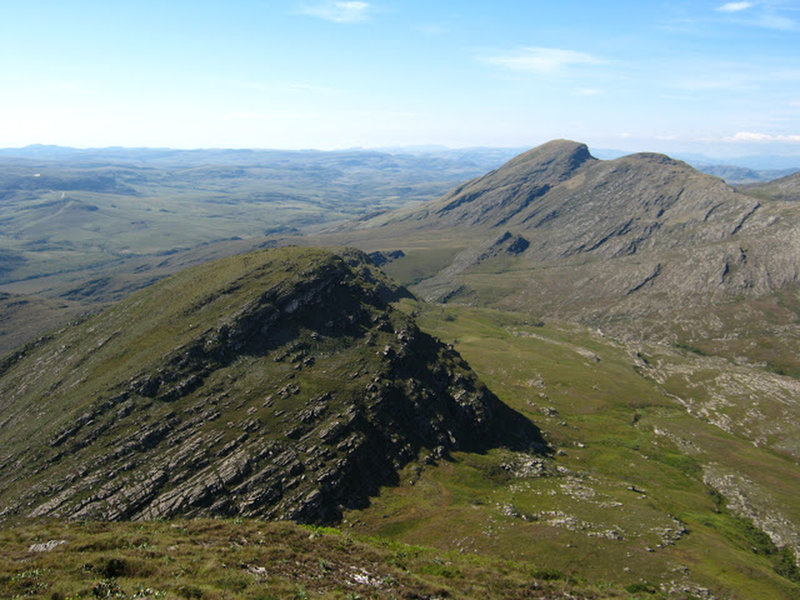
(625, 497)
(252, 560)
(621, 509)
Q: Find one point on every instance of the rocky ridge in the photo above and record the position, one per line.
(643, 238)
(786, 188)
(279, 384)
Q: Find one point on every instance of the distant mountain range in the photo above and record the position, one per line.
(740, 169)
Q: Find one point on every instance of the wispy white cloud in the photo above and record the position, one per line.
(543, 61)
(765, 13)
(735, 6)
(588, 92)
(750, 136)
(350, 11)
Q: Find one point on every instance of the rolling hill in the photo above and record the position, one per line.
(66, 210)
(88, 227)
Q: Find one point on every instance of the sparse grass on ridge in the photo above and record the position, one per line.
(253, 560)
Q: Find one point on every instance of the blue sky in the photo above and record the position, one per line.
(674, 76)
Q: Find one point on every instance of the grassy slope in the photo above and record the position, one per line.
(624, 499)
(244, 559)
(25, 318)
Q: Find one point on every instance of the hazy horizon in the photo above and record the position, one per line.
(765, 160)
(717, 78)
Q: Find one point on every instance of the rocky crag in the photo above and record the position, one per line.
(279, 384)
(662, 225)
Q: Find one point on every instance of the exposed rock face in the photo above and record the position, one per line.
(752, 502)
(495, 198)
(279, 384)
(642, 237)
(381, 258)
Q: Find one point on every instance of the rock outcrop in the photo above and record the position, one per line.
(279, 384)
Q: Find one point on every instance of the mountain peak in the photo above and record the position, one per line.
(566, 154)
(495, 198)
(652, 158)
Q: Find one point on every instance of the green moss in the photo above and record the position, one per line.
(785, 564)
(639, 587)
